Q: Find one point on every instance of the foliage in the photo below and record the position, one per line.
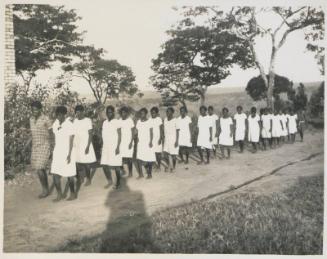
(106, 78)
(244, 23)
(257, 89)
(316, 103)
(44, 34)
(174, 83)
(300, 99)
(204, 55)
(244, 223)
(16, 120)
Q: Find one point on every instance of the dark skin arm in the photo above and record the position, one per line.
(151, 137)
(210, 130)
(161, 134)
(71, 142)
(232, 129)
(133, 133)
(119, 141)
(177, 137)
(89, 141)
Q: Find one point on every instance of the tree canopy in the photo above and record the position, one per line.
(107, 78)
(205, 53)
(44, 34)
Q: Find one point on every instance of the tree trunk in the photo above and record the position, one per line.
(271, 78)
(202, 97)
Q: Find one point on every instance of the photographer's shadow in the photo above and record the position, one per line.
(129, 228)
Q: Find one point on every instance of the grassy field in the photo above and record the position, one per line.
(285, 223)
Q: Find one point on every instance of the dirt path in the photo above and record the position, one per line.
(32, 225)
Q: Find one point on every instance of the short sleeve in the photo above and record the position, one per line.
(54, 125)
(189, 120)
(88, 124)
(230, 121)
(159, 121)
(130, 123)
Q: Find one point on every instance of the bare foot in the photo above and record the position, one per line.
(87, 183)
(59, 198)
(72, 197)
(199, 163)
(139, 177)
(108, 185)
(44, 194)
(149, 176)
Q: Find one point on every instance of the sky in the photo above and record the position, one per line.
(133, 31)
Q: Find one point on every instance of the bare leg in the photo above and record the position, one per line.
(201, 155)
(57, 181)
(107, 173)
(222, 148)
(117, 184)
(148, 168)
(208, 155)
(228, 152)
(139, 169)
(44, 183)
(71, 183)
(87, 171)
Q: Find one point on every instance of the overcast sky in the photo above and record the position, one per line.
(133, 31)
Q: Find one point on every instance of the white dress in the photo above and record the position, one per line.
(126, 135)
(214, 118)
(292, 124)
(156, 123)
(170, 128)
(110, 141)
(276, 126)
(254, 128)
(62, 134)
(225, 136)
(240, 119)
(266, 125)
(144, 151)
(81, 139)
(203, 141)
(184, 131)
(284, 122)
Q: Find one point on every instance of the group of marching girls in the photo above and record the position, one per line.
(149, 142)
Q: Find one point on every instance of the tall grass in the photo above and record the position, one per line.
(287, 223)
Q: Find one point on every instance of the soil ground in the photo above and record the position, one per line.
(33, 225)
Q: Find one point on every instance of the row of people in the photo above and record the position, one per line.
(124, 142)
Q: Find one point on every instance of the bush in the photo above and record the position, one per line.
(16, 120)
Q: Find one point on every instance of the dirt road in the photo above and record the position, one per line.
(33, 225)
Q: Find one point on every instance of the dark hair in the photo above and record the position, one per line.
(154, 109)
(171, 109)
(145, 110)
(183, 107)
(239, 107)
(79, 108)
(253, 109)
(110, 107)
(124, 109)
(203, 107)
(61, 110)
(36, 104)
(225, 109)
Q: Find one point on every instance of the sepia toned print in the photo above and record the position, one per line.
(170, 129)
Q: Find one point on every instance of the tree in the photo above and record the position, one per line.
(206, 55)
(316, 103)
(106, 78)
(244, 23)
(300, 99)
(257, 89)
(174, 83)
(43, 34)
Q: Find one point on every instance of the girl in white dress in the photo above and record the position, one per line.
(226, 129)
(63, 159)
(292, 125)
(157, 126)
(204, 141)
(277, 128)
(266, 126)
(127, 137)
(83, 148)
(111, 157)
(171, 136)
(240, 127)
(254, 128)
(185, 138)
(145, 151)
(214, 119)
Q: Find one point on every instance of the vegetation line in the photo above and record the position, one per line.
(260, 177)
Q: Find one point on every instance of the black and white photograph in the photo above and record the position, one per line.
(163, 127)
